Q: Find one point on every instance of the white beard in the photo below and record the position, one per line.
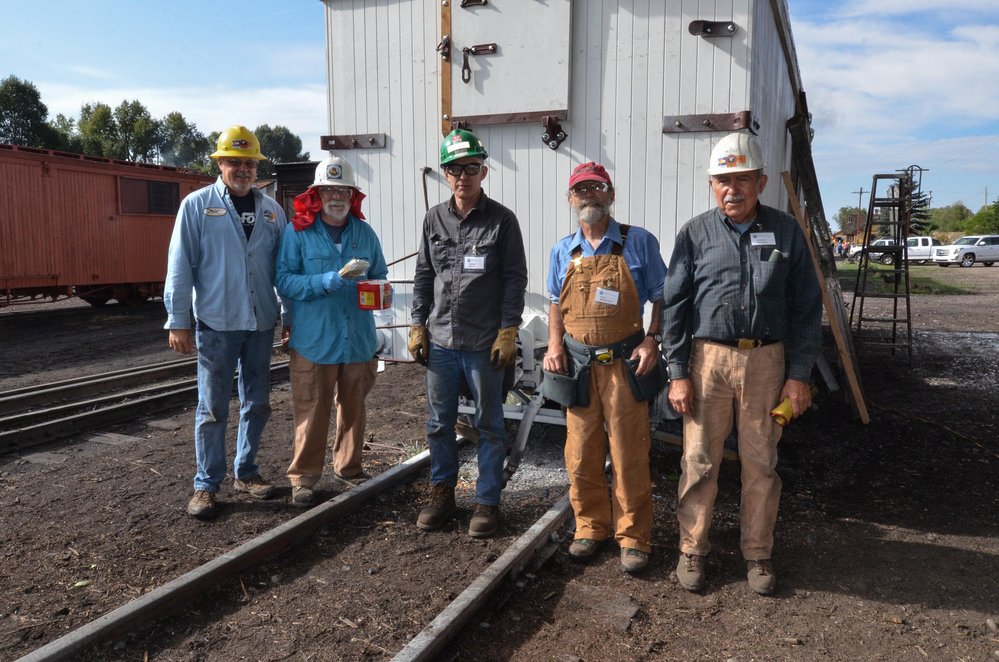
(336, 210)
(592, 213)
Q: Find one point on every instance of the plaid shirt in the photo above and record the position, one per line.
(760, 284)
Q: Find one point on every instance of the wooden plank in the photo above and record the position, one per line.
(834, 312)
(445, 71)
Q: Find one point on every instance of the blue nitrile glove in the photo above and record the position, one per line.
(332, 282)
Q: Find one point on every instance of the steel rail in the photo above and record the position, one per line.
(143, 403)
(159, 601)
(30, 396)
(530, 549)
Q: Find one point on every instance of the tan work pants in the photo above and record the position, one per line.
(746, 383)
(627, 437)
(313, 390)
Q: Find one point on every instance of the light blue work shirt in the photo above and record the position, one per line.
(328, 327)
(213, 269)
(641, 254)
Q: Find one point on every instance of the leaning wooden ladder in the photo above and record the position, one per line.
(886, 277)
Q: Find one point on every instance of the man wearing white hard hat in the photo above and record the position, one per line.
(742, 332)
(327, 248)
(221, 265)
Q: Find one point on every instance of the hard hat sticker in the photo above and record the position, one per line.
(732, 160)
(454, 147)
(334, 172)
(240, 143)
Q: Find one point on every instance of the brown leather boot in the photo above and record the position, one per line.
(484, 522)
(439, 510)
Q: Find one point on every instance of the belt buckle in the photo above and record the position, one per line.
(747, 343)
(603, 356)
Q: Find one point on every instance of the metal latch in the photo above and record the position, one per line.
(554, 134)
(478, 49)
(444, 48)
(472, 3)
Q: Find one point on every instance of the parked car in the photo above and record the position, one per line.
(968, 250)
(920, 249)
(857, 252)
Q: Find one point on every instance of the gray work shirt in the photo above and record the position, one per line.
(471, 275)
(760, 284)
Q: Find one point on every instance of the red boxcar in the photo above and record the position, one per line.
(86, 226)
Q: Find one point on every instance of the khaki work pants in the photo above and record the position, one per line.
(314, 387)
(629, 504)
(745, 383)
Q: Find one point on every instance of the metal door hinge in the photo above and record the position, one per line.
(554, 134)
(710, 122)
(709, 29)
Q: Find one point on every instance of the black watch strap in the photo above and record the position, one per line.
(657, 336)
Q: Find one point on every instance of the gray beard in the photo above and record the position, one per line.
(592, 213)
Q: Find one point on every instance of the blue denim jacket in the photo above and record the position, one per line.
(212, 267)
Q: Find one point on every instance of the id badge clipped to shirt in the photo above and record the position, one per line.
(475, 262)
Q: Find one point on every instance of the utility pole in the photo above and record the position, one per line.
(860, 208)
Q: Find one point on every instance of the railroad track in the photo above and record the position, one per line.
(528, 551)
(49, 412)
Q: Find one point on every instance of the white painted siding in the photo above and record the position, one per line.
(633, 61)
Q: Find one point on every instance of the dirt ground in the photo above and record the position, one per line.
(887, 542)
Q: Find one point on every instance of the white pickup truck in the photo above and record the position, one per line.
(920, 249)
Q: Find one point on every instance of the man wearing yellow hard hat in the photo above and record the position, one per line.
(220, 266)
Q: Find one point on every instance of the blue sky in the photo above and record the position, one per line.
(890, 83)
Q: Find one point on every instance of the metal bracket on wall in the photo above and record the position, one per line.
(471, 3)
(353, 141)
(710, 122)
(708, 29)
(553, 135)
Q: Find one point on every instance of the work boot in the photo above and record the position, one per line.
(439, 510)
(690, 571)
(761, 577)
(202, 504)
(302, 496)
(583, 549)
(256, 487)
(484, 522)
(634, 560)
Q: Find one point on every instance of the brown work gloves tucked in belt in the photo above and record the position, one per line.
(504, 351)
(419, 344)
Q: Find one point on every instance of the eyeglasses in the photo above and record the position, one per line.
(338, 192)
(455, 169)
(249, 164)
(590, 187)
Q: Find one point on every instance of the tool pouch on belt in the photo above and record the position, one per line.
(571, 390)
(646, 387)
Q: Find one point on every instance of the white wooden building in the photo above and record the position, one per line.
(645, 87)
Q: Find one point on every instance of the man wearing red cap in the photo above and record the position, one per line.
(599, 279)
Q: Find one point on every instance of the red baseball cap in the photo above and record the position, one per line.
(589, 172)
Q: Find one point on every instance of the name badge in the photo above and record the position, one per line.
(762, 239)
(609, 297)
(475, 263)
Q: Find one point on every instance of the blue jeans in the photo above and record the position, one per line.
(219, 353)
(444, 371)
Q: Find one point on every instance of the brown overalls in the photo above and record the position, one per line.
(611, 404)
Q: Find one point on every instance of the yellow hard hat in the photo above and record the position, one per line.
(239, 142)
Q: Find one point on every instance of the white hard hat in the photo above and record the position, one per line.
(736, 152)
(335, 171)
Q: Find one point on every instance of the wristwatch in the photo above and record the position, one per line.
(658, 337)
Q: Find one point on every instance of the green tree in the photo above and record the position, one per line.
(98, 133)
(986, 221)
(952, 218)
(67, 139)
(851, 219)
(23, 115)
(280, 145)
(137, 133)
(181, 144)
